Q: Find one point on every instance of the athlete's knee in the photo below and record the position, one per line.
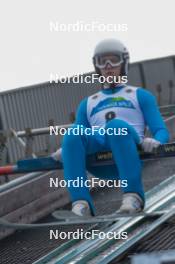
(116, 127)
(73, 136)
(122, 128)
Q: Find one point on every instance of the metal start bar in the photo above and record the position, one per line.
(40, 131)
(106, 158)
(52, 143)
(46, 130)
(97, 159)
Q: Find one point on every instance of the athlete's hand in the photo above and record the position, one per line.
(57, 155)
(149, 144)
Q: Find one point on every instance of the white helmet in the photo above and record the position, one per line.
(114, 47)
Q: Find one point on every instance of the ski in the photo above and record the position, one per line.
(97, 159)
(66, 218)
(70, 218)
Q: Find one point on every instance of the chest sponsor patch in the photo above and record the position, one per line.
(112, 102)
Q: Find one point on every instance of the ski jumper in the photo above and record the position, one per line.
(123, 106)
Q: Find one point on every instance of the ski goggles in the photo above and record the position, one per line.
(102, 61)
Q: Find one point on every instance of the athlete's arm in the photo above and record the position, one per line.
(81, 115)
(152, 116)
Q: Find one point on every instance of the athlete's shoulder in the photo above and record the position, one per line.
(82, 105)
(146, 98)
(84, 100)
(142, 92)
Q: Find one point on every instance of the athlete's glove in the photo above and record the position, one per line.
(57, 155)
(149, 144)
